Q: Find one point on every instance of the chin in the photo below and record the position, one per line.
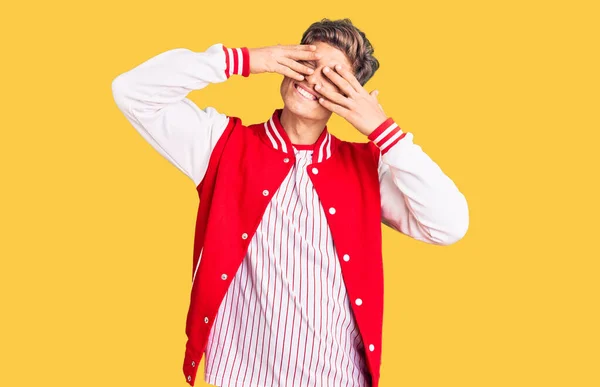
(299, 106)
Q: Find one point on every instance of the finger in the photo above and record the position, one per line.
(333, 95)
(298, 67)
(340, 110)
(340, 82)
(349, 77)
(302, 47)
(303, 54)
(288, 72)
(375, 94)
(299, 47)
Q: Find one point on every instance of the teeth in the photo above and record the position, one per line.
(305, 93)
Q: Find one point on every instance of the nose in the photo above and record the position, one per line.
(313, 79)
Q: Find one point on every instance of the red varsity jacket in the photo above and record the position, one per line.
(387, 179)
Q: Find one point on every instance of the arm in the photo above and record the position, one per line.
(417, 198)
(153, 98)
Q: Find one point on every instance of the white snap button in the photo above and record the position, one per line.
(206, 320)
(315, 171)
(286, 160)
(371, 347)
(332, 210)
(265, 193)
(189, 378)
(223, 276)
(244, 236)
(193, 364)
(358, 301)
(346, 257)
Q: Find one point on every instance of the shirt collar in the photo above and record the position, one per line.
(279, 139)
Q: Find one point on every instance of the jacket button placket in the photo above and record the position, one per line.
(359, 302)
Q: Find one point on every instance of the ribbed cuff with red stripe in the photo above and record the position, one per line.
(386, 135)
(237, 61)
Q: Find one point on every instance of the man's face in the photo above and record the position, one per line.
(296, 102)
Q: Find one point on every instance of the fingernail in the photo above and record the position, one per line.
(326, 69)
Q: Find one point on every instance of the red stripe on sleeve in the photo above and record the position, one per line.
(226, 61)
(381, 128)
(246, 61)
(388, 147)
(388, 129)
(235, 61)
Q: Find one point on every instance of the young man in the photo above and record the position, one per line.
(287, 283)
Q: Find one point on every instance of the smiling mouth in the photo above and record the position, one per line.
(305, 94)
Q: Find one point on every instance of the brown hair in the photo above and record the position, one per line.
(343, 35)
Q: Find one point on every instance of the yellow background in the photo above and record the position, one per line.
(97, 228)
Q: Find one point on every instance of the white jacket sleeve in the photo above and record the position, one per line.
(417, 198)
(153, 98)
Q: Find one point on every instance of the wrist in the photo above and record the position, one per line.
(237, 61)
(386, 134)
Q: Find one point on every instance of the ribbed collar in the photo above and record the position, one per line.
(279, 139)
